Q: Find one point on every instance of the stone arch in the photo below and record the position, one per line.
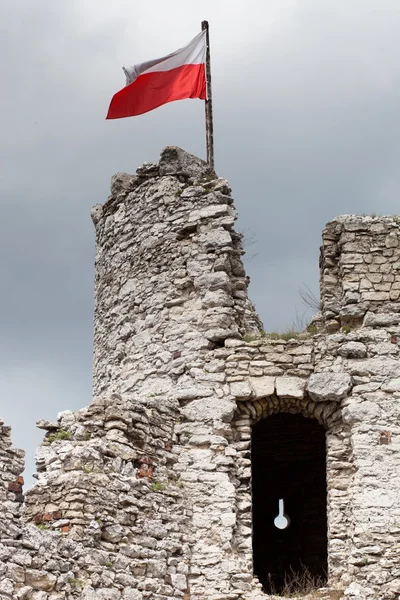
(328, 414)
(339, 470)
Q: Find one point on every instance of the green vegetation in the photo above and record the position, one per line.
(87, 469)
(61, 434)
(252, 337)
(75, 582)
(346, 328)
(157, 486)
(312, 329)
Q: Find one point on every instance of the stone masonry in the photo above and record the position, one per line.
(146, 493)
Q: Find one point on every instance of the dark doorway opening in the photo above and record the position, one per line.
(289, 465)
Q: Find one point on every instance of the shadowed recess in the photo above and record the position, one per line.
(289, 464)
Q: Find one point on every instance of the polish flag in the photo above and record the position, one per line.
(150, 84)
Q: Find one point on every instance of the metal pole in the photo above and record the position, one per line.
(208, 102)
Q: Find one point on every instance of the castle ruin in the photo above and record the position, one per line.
(216, 461)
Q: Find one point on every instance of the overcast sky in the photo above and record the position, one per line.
(306, 107)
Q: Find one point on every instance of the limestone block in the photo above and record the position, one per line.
(175, 161)
(179, 581)
(290, 387)
(201, 520)
(104, 594)
(282, 358)
(392, 589)
(40, 580)
(47, 425)
(112, 533)
(192, 191)
(376, 296)
(382, 366)
(242, 390)
(216, 298)
(195, 268)
(213, 281)
(122, 182)
(96, 213)
(228, 519)
(128, 288)
(381, 320)
(329, 386)
(131, 594)
(349, 259)
(233, 342)
(353, 350)
(354, 311)
(209, 212)
(216, 238)
(392, 240)
(7, 587)
(355, 590)
(218, 334)
(210, 409)
(385, 348)
(299, 350)
(361, 411)
(80, 456)
(191, 391)
(262, 386)
(393, 385)
(16, 573)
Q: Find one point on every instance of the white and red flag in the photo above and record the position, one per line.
(150, 84)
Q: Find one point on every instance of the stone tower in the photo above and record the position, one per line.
(217, 461)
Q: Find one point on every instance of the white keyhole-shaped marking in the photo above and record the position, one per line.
(281, 521)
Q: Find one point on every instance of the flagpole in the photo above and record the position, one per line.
(208, 102)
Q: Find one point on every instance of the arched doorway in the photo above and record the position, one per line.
(289, 465)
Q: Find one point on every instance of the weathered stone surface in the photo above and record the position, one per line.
(353, 350)
(121, 182)
(210, 212)
(209, 409)
(213, 281)
(241, 390)
(262, 386)
(112, 533)
(290, 387)
(40, 580)
(392, 385)
(175, 161)
(361, 412)
(325, 387)
(215, 239)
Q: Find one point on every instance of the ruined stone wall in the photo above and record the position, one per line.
(360, 271)
(12, 465)
(146, 493)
